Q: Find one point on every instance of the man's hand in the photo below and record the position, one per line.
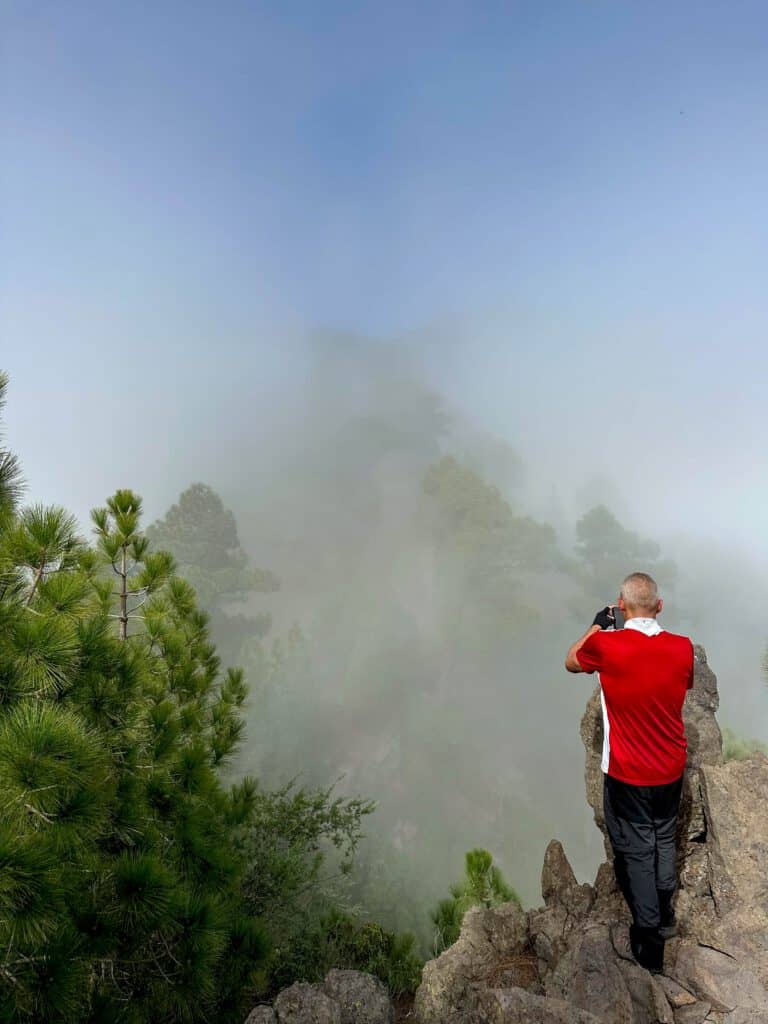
(605, 618)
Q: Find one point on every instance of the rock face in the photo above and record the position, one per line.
(306, 1004)
(492, 942)
(262, 1015)
(345, 997)
(362, 998)
(568, 960)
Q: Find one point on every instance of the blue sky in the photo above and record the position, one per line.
(570, 196)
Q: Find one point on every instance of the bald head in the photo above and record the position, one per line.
(640, 594)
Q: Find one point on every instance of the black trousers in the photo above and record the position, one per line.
(641, 823)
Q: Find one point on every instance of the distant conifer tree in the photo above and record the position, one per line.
(202, 536)
(608, 551)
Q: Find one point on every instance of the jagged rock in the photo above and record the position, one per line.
(548, 929)
(649, 1000)
(489, 939)
(591, 731)
(362, 998)
(719, 978)
(559, 885)
(693, 1013)
(742, 1016)
(705, 743)
(557, 877)
(676, 994)
(723, 904)
(517, 1006)
(735, 796)
(566, 904)
(593, 976)
(306, 1004)
(262, 1015)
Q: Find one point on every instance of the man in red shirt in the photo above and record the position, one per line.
(644, 674)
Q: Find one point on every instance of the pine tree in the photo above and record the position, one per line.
(483, 885)
(202, 536)
(485, 554)
(10, 474)
(119, 872)
(608, 551)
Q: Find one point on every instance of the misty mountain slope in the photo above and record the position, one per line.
(432, 613)
(423, 601)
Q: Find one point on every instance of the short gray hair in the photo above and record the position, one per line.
(639, 591)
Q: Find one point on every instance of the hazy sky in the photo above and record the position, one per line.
(561, 207)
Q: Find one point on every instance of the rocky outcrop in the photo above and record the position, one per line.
(306, 1004)
(262, 1015)
(362, 998)
(569, 959)
(568, 962)
(497, 1006)
(345, 997)
(492, 950)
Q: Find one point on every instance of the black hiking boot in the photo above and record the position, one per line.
(647, 948)
(668, 926)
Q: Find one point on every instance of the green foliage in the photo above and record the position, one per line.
(340, 939)
(120, 870)
(10, 474)
(299, 845)
(201, 535)
(485, 554)
(608, 552)
(739, 748)
(472, 516)
(289, 832)
(483, 885)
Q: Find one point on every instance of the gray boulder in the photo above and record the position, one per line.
(719, 978)
(518, 1006)
(705, 743)
(489, 940)
(744, 1016)
(675, 993)
(306, 1004)
(262, 1015)
(362, 999)
(693, 1013)
(592, 977)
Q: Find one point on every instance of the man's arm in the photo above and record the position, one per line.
(571, 661)
(605, 619)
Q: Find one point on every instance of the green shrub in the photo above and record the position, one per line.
(738, 748)
(483, 885)
(340, 939)
(299, 847)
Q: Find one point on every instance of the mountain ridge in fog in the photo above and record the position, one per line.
(439, 694)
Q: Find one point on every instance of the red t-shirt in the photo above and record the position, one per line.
(644, 675)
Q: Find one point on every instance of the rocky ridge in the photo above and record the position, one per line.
(567, 962)
(345, 997)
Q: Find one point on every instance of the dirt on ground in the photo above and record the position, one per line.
(404, 1009)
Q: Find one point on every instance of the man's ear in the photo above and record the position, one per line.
(659, 606)
(622, 605)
